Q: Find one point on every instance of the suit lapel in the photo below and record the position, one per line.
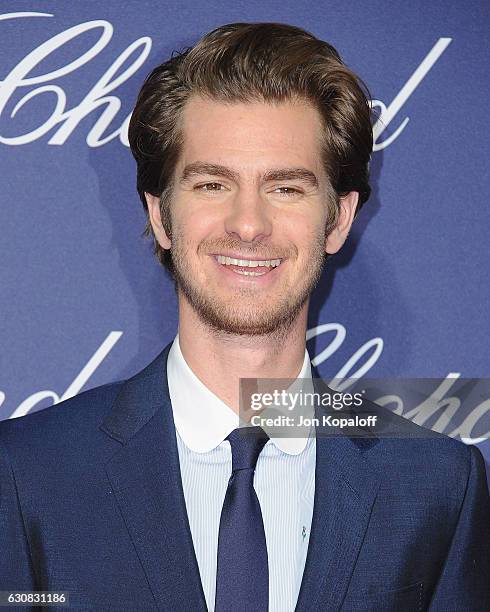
(146, 481)
(345, 490)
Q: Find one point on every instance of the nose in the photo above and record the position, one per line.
(248, 217)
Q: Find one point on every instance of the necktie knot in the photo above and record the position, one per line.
(246, 447)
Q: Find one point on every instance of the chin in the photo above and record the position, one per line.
(247, 322)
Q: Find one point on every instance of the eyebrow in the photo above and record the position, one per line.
(279, 174)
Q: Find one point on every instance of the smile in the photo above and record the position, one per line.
(244, 266)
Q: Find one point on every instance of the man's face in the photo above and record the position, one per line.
(249, 186)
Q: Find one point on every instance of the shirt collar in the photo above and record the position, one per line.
(203, 420)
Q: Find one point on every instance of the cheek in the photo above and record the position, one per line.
(200, 218)
(305, 231)
(196, 231)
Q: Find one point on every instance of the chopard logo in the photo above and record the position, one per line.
(23, 84)
(439, 402)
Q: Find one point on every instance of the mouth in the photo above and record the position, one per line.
(248, 267)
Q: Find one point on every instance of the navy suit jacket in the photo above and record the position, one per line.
(91, 502)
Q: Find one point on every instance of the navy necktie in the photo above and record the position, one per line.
(242, 578)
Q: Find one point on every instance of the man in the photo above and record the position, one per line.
(252, 151)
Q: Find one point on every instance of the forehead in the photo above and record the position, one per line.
(251, 135)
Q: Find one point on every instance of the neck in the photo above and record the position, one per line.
(219, 360)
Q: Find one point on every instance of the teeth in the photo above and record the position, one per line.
(244, 263)
(247, 273)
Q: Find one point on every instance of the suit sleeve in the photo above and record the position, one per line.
(15, 560)
(464, 580)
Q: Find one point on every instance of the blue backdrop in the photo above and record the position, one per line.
(83, 300)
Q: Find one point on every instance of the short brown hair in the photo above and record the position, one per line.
(245, 62)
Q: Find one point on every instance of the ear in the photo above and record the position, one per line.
(338, 235)
(153, 203)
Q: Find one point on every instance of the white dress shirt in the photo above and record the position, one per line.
(284, 482)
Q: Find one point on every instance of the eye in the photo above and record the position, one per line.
(288, 191)
(211, 187)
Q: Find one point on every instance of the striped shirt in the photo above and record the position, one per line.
(284, 482)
